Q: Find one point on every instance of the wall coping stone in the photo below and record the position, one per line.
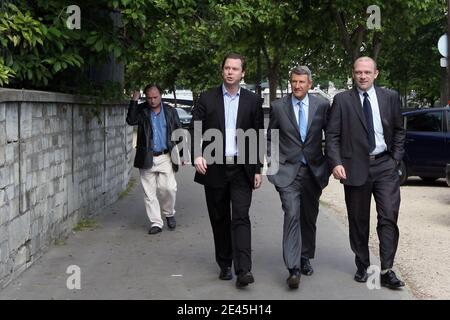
(22, 95)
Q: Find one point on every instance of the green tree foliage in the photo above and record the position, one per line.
(404, 46)
(181, 50)
(180, 43)
(41, 51)
(35, 48)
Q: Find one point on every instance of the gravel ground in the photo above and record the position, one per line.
(423, 255)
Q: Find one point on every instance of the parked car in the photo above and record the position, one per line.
(185, 117)
(427, 146)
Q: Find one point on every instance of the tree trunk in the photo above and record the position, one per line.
(258, 89)
(195, 97)
(376, 45)
(174, 95)
(273, 80)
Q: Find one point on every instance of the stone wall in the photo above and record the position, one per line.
(58, 164)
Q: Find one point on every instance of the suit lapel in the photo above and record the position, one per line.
(241, 108)
(289, 109)
(383, 104)
(221, 109)
(311, 112)
(356, 104)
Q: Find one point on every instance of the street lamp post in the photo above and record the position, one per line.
(448, 46)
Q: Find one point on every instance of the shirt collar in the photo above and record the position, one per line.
(370, 92)
(225, 92)
(161, 110)
(305, 100)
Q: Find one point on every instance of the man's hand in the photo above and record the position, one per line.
(200, 165)
(339, 172)
(136, 95)
(258, 181)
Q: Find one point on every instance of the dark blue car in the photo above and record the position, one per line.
(427, 146)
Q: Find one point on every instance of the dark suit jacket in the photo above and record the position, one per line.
(139, 114)
(291, 148)
(346, 138)
(210, 111)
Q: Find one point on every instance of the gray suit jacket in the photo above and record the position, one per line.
(291, 148)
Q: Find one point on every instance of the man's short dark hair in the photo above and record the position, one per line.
(235, 56)
(152, 85)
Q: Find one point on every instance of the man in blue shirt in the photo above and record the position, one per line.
(230, 179)
(156, 122)
(300, 119)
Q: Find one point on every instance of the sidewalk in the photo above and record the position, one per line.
(119, 260)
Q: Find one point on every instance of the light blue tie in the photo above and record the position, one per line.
(302, 126)
(302, 121)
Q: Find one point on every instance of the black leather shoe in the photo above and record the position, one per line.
(225, 274)
(154, 230)
(361, 275)
(294, 279)
(244, 279)
(171, 222)
(390, 280)
(306, 267)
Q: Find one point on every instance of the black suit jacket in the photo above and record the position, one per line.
(209, 111)
(291, 148)
(346, 137)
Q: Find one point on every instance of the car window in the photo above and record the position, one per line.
(182, 112)
(425, 122)
(448, 121)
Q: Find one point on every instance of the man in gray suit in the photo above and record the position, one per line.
(303, 170)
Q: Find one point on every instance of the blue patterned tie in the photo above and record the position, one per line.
(369, 121)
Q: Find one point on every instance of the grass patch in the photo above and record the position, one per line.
(60, 242)
(130, 186)
(85, 224)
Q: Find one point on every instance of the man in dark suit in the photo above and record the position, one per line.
(156, 122)
(303, 171)
(227, 173)
(365, 144)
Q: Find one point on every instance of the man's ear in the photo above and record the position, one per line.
(376, 73)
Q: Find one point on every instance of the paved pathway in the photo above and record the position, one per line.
(119, 260)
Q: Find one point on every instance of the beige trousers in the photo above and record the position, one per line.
(160, 188)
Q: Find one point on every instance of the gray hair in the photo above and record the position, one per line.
(300, 70)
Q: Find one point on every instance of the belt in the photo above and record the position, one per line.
(155, 154)
(376, 156)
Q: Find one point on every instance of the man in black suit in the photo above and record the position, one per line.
(303, 171)
(365, 144)
(227, 173)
